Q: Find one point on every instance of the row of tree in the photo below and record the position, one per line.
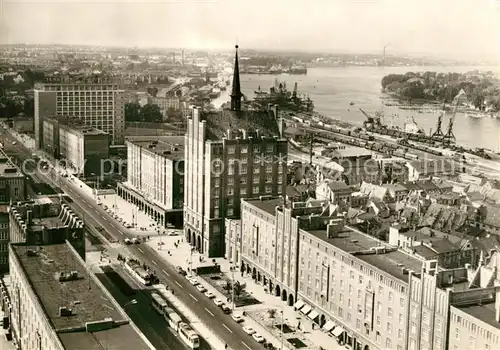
(482, 89)
(134, 112)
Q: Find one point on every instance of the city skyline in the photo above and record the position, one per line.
(441, 29)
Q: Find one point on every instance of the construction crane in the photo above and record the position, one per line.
(438, 134)
(370, 121)
(450, 136)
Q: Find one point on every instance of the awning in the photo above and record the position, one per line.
(299, 304)
(306, 309)
(313, 315)
(338, 331)
(328, 326)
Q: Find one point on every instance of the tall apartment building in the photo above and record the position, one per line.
(229, 155)
(54, 301)
(83, 148)
(367, 293)
(12, 189)
(155, 177)
(99, 105)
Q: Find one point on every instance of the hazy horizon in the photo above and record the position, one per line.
(464, 30)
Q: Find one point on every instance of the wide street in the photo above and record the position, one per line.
(211, 315)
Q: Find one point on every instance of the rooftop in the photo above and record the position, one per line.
(170, 147)
(88, 302)
(484, 312)
(392, 261)
(7, 167)
(249, 120)
(267, 205)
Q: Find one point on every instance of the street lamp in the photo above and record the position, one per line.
(232, 266)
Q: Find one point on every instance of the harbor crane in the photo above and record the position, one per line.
(438, 134)
(450, 136)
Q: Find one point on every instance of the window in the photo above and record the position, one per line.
(230, 191)
(280, 179)
(243, 169)
(231, 149)
(389, 311)
(256, 170)
(243, 180)
(243, 191)
(269, 178)
(389, 328)
(255, 189)
(230, 181)
(388, 343)
(256, 179)
(244, 149)
(230, 211)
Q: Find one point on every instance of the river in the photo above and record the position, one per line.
(332, 89)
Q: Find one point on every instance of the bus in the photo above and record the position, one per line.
(159, 304)
(136, 270)
(189, 336)
(172, 318)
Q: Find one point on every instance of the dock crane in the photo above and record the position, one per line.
(438, 134)
(450, 136)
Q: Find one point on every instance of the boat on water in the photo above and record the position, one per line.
(351, 103)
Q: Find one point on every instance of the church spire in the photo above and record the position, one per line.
(236, 94)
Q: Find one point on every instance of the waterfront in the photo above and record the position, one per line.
(332, 89)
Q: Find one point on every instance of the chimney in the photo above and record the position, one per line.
(257, 133)
(276, 111)
(29, 217)
(243, 134)
(229, 134)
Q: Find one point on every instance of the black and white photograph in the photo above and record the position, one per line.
(249, 174)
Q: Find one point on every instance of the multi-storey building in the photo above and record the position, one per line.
(12, 189)
(57, 303)
(99, 105)
(155, 177)
(82, 148)
(229, 155)
(46, 220)
(166, 103)
(367, 293)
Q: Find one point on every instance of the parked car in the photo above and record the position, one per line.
(201, 288)
(209, 295)
(248, 330)
(127, 241)
(180, 270)
(258, 338)
(226, 309)
(237, 317)
(218, 302)
(194, 281)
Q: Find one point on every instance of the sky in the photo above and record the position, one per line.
(451, 28)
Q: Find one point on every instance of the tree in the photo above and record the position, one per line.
(29, 107)
(132, 112)
(151, 114)
(239, 288)
(228, 286)
(271, 313)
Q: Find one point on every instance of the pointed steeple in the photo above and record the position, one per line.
(236, 94)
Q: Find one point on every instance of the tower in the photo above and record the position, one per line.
(236, 94)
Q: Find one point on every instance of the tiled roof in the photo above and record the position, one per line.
(218, 122)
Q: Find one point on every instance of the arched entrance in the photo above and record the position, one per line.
(259, 277)
(198, 243)
(290, 300)
(278, 291)
(249, 269)
(189, 236)
(322, 320)
(254, 273)
(283, 295)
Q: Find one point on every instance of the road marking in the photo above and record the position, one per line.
(104, 218)
(154, 262)
(178, 284)
(139, 249)
(210, 312)
(165, 272)
(226, 327)
(242, 342)
(193, 297)
(84, 201)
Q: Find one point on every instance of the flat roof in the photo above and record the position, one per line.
(162, 145)
(354, 242)
(46, 222)
(83, 296)
(267, 205)
(484, 312)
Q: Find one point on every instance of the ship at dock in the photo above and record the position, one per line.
(284, 98)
